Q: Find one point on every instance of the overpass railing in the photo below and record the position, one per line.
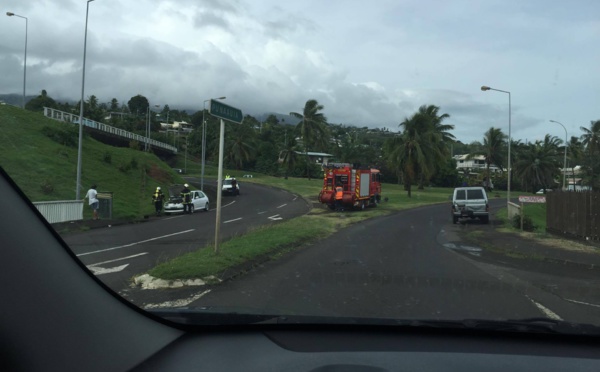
(71, 118)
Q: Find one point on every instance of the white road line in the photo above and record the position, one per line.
(581, 302)
(176, 303)
(136, 243)
(102, 270)
(117, 259)
(296, 197)
(170, 218)
(275, 218)
(227, 205)
(262, 212)
(281, 206)
(549, 313)
(237, 219)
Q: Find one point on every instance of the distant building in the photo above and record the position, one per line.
(474, 164)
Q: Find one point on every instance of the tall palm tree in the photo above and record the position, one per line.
(312, 128)
(440, 135)
(493, 149)
(415, 151)
(240, 146)
(538, 163)
(591, 140)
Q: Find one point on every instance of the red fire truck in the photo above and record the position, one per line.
(362, 186)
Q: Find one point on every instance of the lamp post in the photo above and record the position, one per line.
(10, 14)
(77, 192)
(486, 88)
(204, 141)
(565, 160)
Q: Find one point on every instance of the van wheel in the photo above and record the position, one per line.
(454, 219)
(485, 220)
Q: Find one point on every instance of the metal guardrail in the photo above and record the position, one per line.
(74, 119)
(61, 210)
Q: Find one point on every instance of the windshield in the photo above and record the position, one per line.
(350, 127)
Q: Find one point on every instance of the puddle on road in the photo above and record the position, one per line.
(474, 251)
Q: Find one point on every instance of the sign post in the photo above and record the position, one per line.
(529, 199)
(223, 112)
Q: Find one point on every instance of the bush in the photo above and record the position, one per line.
(135, 145)
(67, 137)
(133, 164)
(527, 223)
(47, 187)
(107, 157)
(124, 167)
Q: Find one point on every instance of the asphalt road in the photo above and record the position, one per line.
(407, 266)
(118, 253)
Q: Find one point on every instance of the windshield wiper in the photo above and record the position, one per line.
(223, 316)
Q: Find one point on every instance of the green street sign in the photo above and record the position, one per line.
(225, 112)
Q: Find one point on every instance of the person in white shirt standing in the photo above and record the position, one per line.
(92, 196)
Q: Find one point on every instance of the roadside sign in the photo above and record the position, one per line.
(225, 112)
(532, 199)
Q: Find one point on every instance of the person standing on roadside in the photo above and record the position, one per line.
(186, 199)
(158, 198)
(92, 196)
(339, 195)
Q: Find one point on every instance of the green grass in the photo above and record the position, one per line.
(537, 213)
(46, 169)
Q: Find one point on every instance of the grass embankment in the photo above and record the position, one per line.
(40, 155)
(537, 213)
(272, 241)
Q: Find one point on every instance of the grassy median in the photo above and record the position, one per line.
(271, 241)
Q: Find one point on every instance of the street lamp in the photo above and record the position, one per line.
(10, 14)
(81, 105)
(486, 88)
(204, 141)
(565, 160)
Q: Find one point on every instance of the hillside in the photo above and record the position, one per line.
(40, 154)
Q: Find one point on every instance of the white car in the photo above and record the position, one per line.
(541, 191)
(175, 203)
(228, 188)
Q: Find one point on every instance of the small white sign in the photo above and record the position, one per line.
(532, 199)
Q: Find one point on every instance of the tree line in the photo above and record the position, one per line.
(418, 154)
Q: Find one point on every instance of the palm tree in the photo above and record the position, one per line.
(591, 140)
(240, 146)
(575, 154)
(439, 135)
(415, 151)
(312, 128)
(493, 149)
(538, 163)
(288, 157)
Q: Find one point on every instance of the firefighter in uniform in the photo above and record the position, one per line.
(339, 194)
(186, 199)
(158, 199)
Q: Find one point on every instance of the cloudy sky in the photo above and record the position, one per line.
(369, 63)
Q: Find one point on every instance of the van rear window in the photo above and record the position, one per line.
(460, 195)
(475, 194)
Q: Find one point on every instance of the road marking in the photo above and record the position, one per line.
(262, 212)
(296, 197)
(282, 205)
(275, 218)
(136, 243)
(227, 205)
(581, 302)
(117, 259)
(102, 270)
(176, 303)
(549, 313)
(237, 219)
(170, 218)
